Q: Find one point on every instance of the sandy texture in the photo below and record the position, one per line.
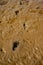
(21, 32)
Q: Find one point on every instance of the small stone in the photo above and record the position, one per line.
(4, 50)
(9, 60)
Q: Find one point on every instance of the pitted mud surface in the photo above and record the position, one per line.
(21, 32)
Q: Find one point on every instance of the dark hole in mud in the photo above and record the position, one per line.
(1, 50)
(16, 12)
(2, 2)
(24, 25)
(0, 21)
(15, 45)
(20, 3)
(37, 7)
